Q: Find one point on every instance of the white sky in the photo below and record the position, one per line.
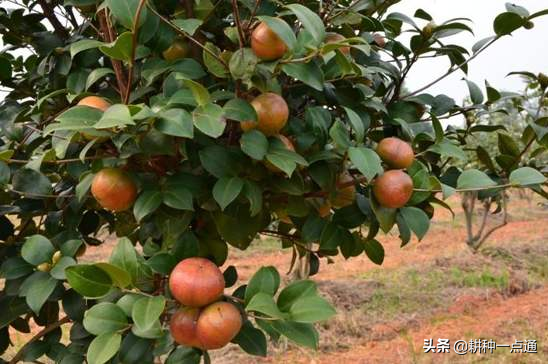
(525, 50)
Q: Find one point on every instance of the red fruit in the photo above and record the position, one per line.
(113, 189)
(396, 153)
(272, 114)
(379, 40)
(218, 324)
(393, 189)
(183, 326)
(196, 282)
(266, 44)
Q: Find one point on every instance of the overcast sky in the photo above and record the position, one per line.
(525, 50)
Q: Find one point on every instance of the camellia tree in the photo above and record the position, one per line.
(184, 128)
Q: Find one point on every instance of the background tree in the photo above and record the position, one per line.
(184, 128)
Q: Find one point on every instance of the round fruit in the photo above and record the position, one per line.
(346, 195)
(196, 282)
(529, 25)
(272, 114)
(337, 38)
(218, 324)
(393, 189)
(266, 44)
(178, 50)
(289, 145)
(113, 189)
(396, 153)
(183, 326)
(379, 40)
(95, 102)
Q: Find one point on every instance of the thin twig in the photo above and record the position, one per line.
(39, 335)
(49, 13)
(40, 195)
(134, 44)
(186, 35)
(236, 12)
(451, 70)
(253, 13)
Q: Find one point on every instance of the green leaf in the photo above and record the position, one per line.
(213, 64)
(332, 235)
(154, 332)
(239, 110)
(473, 178)
(96, 75)
(5, 173)
(124, 257)
(308, 73)
(120, 49)
(506, 23)
(200, 93)
(120, 278)
(264, 303)
(116, 116)
(176, 122)
(294, 292)
(251, 340)
(15, 267)
(83, 45)
(475, 93)
(356, 122)
(31, 183)
(254, 195)
(184, 355)
(103, 348)
(147, 202)
(88, 280)
(39, 291)
(282, 29)
(300, 333)
(37, 249)
(162, 263)
(226, 190)
(178, 197)
(147, 310)
(374, 251)
(103, 318)
(189, 25)
(265, 280)
(254, 144)
(209, 119)
(416, 219)
(76, 118)
(310, 20)
(446, 148)
(366, 161)
(526, 176)
(242, 64)
(58, 270)
(311, 309)
(124, 11)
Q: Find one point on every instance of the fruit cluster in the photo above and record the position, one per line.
(204, 321)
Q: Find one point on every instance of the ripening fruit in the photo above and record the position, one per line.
(289, 145)
(393, 189)
(196, 282)
(379, 40)
(178, 50)
(337, 38)
(272, 114)
(113, 189)
(344, 196)
(95, 102)
(218, 324)
(396, 153)
(266, 44)
(183, 326)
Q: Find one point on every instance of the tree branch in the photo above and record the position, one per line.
(495, 228)
(59, 29)
(39, 335)
(236, 12)
(109, 36)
